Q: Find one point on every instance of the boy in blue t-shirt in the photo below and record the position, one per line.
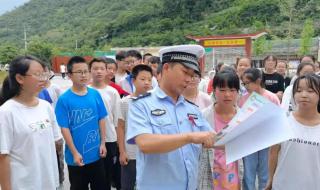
(81, 113)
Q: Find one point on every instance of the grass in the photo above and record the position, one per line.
(3, 74)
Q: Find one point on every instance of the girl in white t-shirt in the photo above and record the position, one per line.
(28, 129)
(295, 164)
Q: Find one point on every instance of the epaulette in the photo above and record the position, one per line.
(141, 96)
(191, 103)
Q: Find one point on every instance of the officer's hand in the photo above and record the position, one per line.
(123, 158)
(205, 138)
(77, 159)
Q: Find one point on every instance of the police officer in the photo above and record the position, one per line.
(168, 129)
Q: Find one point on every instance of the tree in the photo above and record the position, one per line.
(7, 53)
(288, 9)
(260, 45)
(41, 50)
(306, 37)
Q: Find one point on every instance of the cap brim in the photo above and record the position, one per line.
(191, 66)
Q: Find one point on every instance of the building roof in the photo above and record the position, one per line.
(252, 36)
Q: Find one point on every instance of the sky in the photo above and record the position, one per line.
(9, 5)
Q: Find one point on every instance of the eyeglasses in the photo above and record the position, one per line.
(40, 76)
(85, 72)
(245, 84)
(195, 78)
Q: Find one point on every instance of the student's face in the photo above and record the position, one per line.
(270, 64)
(132, 61)
(123, 65)
(194, 82)
(177, 77)
(80, 74)
(34, 80)
(305, 97)
(146, 59)
(308, 69)
(281, 68)
(243, 65)
(226, 95)
(143, 82)
(251, 86)
(111, 70)
(154, 67)
(98, 71)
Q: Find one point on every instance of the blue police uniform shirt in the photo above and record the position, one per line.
(81, 114)
(158, 114)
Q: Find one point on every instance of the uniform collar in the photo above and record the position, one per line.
(162, 95)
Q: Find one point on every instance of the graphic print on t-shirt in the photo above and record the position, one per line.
(92, 141)
(270, 82)
(39, 125)
(79, 117)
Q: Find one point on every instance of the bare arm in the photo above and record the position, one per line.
(273, 162)
(156, 143)
(69, 141)
(121, 142)
(102, 127)
(5, 181)
(121, 135)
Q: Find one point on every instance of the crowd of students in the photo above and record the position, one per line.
(86, 126)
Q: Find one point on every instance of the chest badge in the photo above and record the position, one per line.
(192, 118)
(158, 112)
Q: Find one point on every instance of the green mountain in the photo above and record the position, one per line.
(100, 24)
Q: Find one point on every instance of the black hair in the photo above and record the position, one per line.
(105, 60)
(218, 67)
(120, 55)
(110, 61)
(309, 56)
(302, 65)
(253, 74)
(138, 68)
(270, 57)
(154, 60)
(228, 68)
(145, 55)
(134, 53)
(19, 65)
(313, 82)
(97, 60)
(74, 60)
(226, 78)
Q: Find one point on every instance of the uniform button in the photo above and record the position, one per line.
(180, 122)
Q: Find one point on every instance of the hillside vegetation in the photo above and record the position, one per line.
(101, 24)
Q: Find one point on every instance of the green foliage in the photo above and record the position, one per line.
(306, 37)
(97, 24)
(260, 45)
(41, 50)
(7, 53)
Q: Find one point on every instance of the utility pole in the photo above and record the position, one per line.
(25, 38)
(76, 44)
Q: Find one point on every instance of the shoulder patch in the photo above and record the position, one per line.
(141, 96)
(191, 103)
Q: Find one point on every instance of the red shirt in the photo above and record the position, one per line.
(119, 89)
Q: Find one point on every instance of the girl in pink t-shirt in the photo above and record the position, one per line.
(256, 164)
(225, 87)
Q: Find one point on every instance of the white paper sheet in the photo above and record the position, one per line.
(260, 126)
